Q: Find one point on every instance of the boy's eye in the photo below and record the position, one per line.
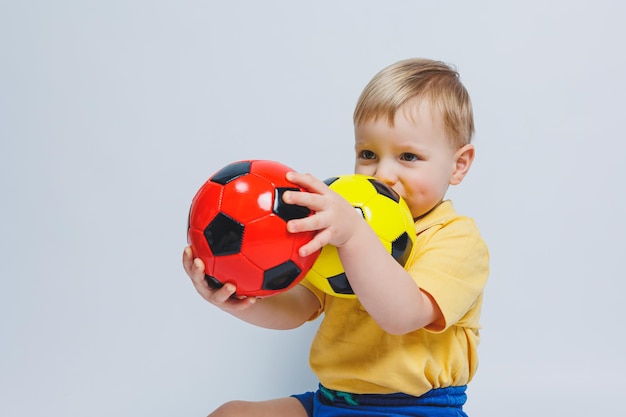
(409, 157)
(367, 155)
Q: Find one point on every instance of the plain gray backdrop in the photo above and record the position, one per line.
(113, 113)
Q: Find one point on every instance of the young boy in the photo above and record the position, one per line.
(407, 344)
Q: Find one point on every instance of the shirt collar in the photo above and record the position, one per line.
(436, 215)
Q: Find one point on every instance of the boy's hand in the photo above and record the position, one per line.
(335, 219)
(222, 297)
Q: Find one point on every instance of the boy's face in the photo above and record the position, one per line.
(413, 157)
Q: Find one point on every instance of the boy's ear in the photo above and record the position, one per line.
(463, 158)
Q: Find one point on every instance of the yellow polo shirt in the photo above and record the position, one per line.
(351, 353)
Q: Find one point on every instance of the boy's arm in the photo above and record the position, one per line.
(286, 310)
(384, 287)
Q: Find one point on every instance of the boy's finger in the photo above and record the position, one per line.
(187, 259)
(307, 181)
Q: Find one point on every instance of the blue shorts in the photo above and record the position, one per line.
(439, 402)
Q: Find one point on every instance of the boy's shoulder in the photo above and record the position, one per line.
(444, 226)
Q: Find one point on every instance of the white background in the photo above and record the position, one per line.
(113, 113)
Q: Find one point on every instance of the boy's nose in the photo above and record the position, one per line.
(386, 174)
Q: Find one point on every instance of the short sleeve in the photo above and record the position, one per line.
(321, 296)
(451, 263)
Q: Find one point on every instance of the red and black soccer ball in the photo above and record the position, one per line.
(237, 226)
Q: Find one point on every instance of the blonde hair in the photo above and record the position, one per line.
(419, 78)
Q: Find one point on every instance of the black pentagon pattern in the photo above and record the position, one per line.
(224, 235)
(213, 282)
(330, 180)
(401, 248)
(288, 211)
(280, 276)
(231, 172)
(385, 190)
(339, 284)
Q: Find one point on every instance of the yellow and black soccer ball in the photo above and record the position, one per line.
(384, 210)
